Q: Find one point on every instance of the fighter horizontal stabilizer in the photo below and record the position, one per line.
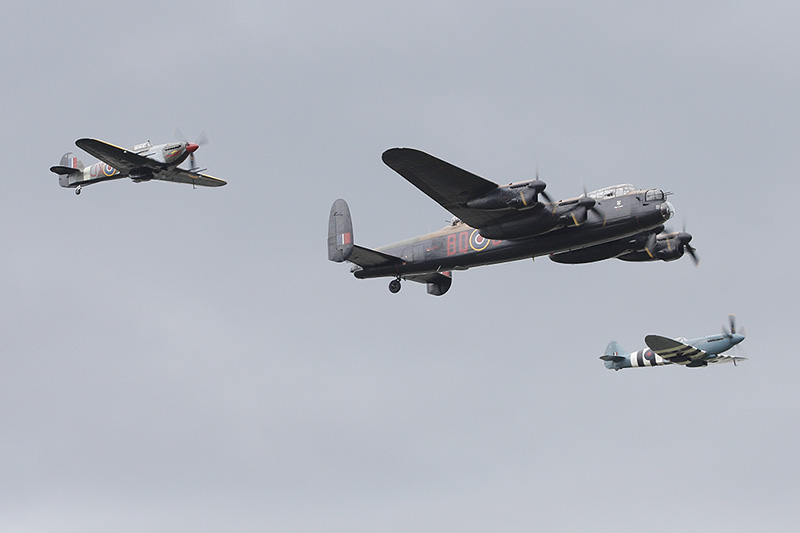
(63, 171)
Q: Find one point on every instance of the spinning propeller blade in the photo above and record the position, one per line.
(191, 147)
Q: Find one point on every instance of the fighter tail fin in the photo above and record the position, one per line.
(69, 164)
(340, 232)
(614, 354)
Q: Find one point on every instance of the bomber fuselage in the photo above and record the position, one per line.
(459, 246)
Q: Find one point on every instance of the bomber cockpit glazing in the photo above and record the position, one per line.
(612, 192)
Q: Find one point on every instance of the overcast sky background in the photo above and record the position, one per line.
(188, 360)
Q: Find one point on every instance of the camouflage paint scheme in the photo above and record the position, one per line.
(619, 221)
(143, 162)
(692, 353)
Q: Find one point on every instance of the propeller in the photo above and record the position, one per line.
(540, 186)
(590, 204)
(684, 239)
(730, 332)
(681, 243)
(191, 147)
(650, 245)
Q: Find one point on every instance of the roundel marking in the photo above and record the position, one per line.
(477, 241)
(108, 170)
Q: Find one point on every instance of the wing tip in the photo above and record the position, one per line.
(393, 154)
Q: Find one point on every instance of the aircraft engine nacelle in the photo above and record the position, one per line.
(666, 248)
(659, 254)
(515, 196)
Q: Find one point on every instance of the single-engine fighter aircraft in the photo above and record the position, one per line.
(143, 162)
(665, 351)
(494, 224)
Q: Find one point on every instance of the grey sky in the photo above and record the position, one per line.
(187, 360)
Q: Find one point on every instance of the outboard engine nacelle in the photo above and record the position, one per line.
(666, 248)
(515, 196)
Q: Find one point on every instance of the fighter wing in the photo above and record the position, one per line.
(179, 175)
(125, 161)
(724, 358)
(674, 351)
(450, 186)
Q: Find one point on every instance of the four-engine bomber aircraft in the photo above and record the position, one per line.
(143, 162)
(494, 224)
(665, 351)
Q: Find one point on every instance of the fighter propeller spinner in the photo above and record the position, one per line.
(692, 353)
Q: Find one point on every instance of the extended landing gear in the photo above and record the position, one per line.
(78, 190)
(394, 286)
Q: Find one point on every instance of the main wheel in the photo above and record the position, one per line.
(394, 286)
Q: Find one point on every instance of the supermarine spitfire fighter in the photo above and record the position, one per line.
(494, 224)
(665, 351)
(143, 162)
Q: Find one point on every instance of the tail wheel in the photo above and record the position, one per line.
(394, 286)
(78, 190)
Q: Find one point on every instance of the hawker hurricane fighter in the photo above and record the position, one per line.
(494, 224)
(665, 351)
(143, 162)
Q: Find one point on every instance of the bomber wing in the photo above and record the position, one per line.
(450, 186)
(673, 350)
(125, 161)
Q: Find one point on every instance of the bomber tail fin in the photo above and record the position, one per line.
(614, 355)
(340, 232)
(69, 165)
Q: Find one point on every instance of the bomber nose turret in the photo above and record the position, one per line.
(667, 210)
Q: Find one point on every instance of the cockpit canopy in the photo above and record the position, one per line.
(651, 195)
(612, 192)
